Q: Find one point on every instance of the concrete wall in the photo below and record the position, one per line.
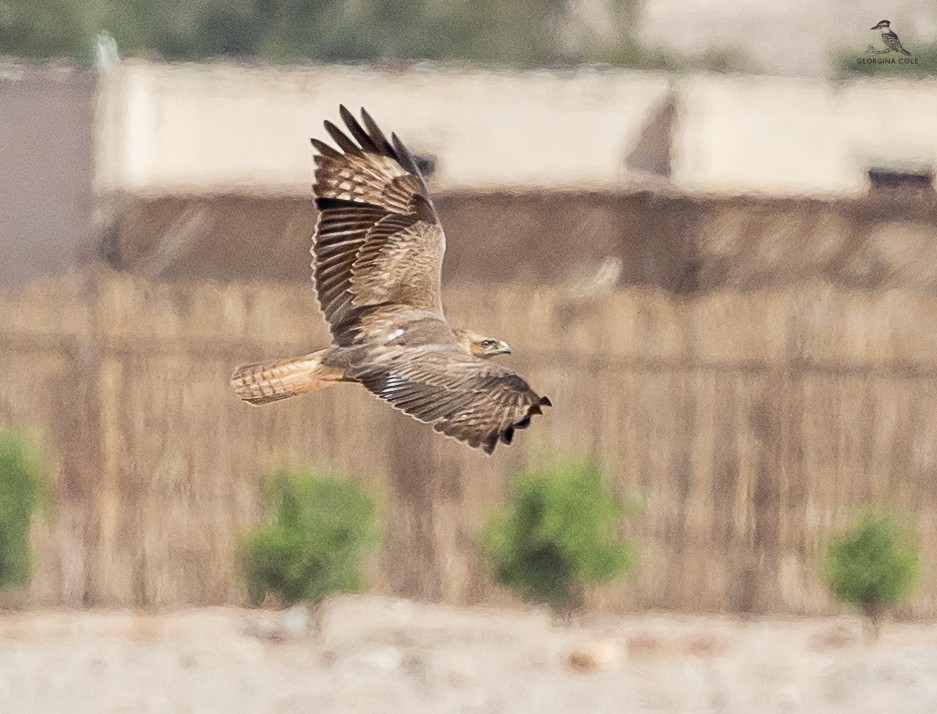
(216, 129)
(209, 129)
(572, 241)
(779, 137)
(46, 170)
(495, 238)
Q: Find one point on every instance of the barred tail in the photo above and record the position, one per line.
(265, 382)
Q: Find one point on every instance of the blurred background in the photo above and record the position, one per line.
(707, 231)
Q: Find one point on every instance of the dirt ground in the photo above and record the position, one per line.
(378, 654)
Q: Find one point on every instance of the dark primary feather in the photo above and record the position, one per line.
(325, 149)
(359, 134)
(406, 159)
(377, 136)
(344, 143)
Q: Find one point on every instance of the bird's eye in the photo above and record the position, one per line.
(488, 343)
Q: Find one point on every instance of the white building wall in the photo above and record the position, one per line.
(799, 137)
(227, 129)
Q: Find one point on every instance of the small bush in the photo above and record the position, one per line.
(873, 564)
(558, 535)
(22, 480)
(317, 534)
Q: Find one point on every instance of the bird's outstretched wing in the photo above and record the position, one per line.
(377, 263)
(378, 241)
(470, 399)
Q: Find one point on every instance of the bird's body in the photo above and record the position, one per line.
(377, 265)
(890, 38)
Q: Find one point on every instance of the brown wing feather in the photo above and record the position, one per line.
(470, 399)
(378, 240)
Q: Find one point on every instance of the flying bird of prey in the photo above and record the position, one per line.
(890, 38)
(377, 264)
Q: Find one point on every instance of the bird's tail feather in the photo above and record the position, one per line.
(266, 382)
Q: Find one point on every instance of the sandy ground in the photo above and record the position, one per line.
(378, 654)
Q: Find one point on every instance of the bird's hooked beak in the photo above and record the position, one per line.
(503, 348)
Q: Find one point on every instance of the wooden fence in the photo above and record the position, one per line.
(747, 425)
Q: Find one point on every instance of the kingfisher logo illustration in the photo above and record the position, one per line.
(892, 46)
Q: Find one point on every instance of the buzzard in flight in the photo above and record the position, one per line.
(377, 262)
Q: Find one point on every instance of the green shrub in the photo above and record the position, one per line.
(558, 535)
(22, 480)
(317, 532)
(873, 564)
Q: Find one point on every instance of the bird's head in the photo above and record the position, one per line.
(883, 24)
(480, 345)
